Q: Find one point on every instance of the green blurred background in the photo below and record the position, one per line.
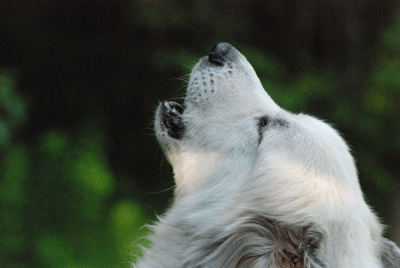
(80, 168)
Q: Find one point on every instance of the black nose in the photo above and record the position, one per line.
(221, 53)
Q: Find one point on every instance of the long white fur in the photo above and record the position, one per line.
(235, 197)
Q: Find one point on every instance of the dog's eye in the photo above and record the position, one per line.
(262, 123)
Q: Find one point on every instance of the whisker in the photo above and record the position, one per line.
(159, 192)
(189, 67)
(183, 79)
(155, 154)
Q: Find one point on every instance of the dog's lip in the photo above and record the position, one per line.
(171, 119)
(171, 107)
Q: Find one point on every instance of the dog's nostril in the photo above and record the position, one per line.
(214, 58)
(218, 53)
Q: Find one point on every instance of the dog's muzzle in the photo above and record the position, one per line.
(171, 112)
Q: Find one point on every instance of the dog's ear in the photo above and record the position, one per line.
(390, 254)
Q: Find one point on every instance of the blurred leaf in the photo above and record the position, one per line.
(13, 199)
(54, 251)
(386, 76)
(54, 143)
(376, 102)
(91, 170)
(15, 174)
(127, 219)
(12, 107)
(390, 36)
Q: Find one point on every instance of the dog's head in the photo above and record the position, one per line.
(229, 124)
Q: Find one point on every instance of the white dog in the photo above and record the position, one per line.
(257, 186)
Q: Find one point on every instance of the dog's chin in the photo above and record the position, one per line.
(170, 114)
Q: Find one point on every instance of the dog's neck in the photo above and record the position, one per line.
(196, 170)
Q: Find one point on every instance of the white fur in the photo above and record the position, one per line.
(235, 197)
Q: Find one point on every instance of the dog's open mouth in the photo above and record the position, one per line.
(171, 119)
